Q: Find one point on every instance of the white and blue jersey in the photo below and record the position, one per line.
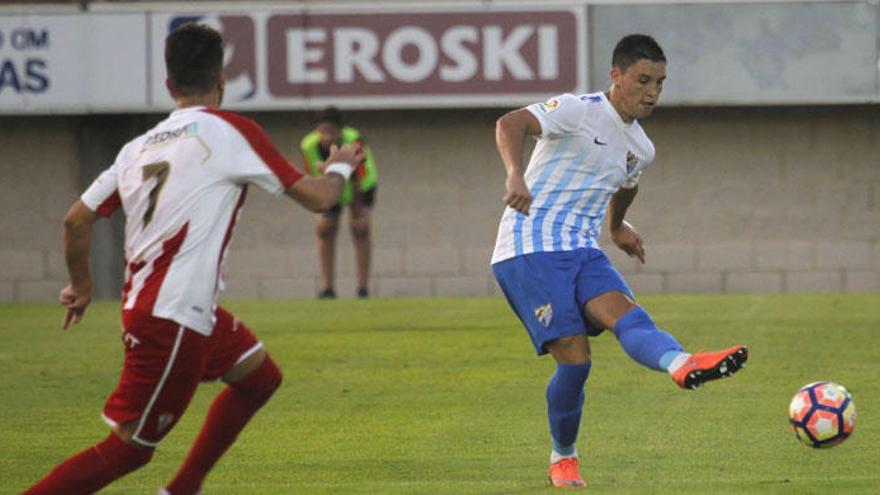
(585, 153)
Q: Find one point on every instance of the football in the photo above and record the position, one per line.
(822, 414)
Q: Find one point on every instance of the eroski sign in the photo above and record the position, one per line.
(415, 58)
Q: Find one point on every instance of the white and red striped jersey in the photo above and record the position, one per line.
(182, 186)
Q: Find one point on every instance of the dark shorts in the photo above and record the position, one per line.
(548, 291)
(367, 199)
(164, 363)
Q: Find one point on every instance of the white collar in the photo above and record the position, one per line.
(613, 112)
(194, 108)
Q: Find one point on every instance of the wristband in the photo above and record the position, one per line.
(340, 168)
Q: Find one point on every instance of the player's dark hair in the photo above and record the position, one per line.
(634, 47)
(331, 115)
(194, 58)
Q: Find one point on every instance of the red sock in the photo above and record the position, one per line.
(229, 413)
(93, 468)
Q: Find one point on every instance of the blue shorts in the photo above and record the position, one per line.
(548, 290)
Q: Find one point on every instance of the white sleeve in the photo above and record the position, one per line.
(253, 157)
(102, 196)
(559, 115)
(632, 178)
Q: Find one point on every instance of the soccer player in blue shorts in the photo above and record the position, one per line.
(590, 153)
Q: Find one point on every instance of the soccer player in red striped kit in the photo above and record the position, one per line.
(181, 186)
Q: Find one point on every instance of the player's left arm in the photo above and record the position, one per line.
(321, 193)
(622, 232)
(77, 243)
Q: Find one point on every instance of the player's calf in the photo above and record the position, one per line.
(229, 414)
(94, 468)
(643, 341)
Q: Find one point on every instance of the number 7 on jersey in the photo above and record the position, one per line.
(160, 171)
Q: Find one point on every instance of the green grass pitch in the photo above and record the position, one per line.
(445, 396)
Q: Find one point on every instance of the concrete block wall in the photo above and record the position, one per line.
(39, 170)
(739, 200)
(435, 220)
(762, 200)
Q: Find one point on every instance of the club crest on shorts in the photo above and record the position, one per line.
(164, 421)
(544, 314)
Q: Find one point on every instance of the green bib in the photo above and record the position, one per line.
(366, 171)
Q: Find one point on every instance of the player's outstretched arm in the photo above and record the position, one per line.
(622, 233)
(321, 193)
(510, 133)
(77, 243)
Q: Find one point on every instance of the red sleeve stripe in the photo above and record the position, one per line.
(262, 146)
(231, 228)
(109, 205)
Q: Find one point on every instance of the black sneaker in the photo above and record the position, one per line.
(328, 293)
(362, 293)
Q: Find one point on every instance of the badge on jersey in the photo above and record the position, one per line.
(544, 314)
(549, 105)
(631, 162)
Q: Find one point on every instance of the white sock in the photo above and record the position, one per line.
(678, 362)
(556, 456)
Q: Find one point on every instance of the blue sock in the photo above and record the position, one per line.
(644, 342)
(565, 401)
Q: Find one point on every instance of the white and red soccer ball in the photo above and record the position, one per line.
(822, 414)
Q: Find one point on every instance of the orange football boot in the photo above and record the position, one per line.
(707, 366)
(565, 474)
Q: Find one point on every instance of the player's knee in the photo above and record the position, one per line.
(326, 231)
(326, 225)
(124, 454)
(260, 384)
(360, 229)
(635, 319)
(125, 431)
(273, 379)
(573, 349)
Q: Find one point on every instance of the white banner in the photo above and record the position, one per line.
(73, 63)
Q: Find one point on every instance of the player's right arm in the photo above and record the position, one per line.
(101, 199)
(510, 135)
(77, 243)
(255, 160)
(322, 192)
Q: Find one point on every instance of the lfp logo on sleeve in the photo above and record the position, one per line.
(549, 105)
